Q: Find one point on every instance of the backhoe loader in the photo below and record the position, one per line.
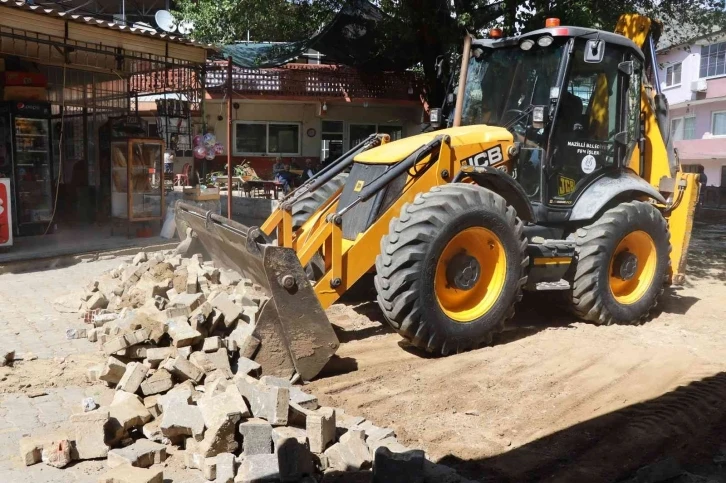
(555, 174)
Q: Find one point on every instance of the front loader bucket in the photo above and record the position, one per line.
(295, 333)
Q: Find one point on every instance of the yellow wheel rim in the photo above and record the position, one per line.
(628, 281)
(469, 250)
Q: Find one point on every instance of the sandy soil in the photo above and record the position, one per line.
(553, 399)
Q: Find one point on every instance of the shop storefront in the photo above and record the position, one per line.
(65, 80)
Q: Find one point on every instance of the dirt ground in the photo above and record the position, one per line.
(553, 399)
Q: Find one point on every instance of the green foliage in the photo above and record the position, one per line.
(227, 21)
(434, 28)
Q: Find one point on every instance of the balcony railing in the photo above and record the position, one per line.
(316, 81)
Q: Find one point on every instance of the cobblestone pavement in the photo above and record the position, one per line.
(29, 323)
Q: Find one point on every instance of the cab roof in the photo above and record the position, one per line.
(563, 31)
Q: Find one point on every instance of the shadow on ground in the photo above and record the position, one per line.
(685, 425)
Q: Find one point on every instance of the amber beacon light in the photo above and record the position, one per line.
(552, 22)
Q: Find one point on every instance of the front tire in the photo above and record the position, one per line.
(451, 268)
(622, 265)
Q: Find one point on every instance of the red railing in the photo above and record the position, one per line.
(316, 81)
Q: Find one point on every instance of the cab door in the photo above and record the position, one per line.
(589, 134)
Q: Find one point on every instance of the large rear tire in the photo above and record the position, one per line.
(308, 204)
(451, 268)
(622, 265)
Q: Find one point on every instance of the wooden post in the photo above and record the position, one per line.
(462, 80)
(229, 137)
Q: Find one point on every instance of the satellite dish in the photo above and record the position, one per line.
(186, 27)
(165, 21)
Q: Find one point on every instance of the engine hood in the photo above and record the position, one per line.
(396, 151)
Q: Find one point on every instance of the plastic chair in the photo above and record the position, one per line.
(183, 178)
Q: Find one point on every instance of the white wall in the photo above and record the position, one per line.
(691, 61)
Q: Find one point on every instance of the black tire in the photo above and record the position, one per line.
(311, 201)
(592, 297)
(406, 266)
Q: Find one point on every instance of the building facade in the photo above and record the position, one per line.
(307, 111)
(693, 78)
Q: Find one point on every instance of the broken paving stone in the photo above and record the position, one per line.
(142, 454)
(209, 467)
(90, 429)
(155, 355)
(183, 369)
(31, 447)
(93, 373)
(225, 468)
(229, 277)
(275, 381)
(113, 371)
(152, 432)
(256, 437)
(266, 402)
(57, 454)
(132, 378)
(249, 367)
(300, 397)
(229, 309)
(160, 381)
(281, 433)
(294, 459)
(181, 332)
(97, 301)
(212, 344)
(320, 429)
(219, 438)
(99, 320)
(182, 420)
(131, 474)
(159, 302)
(128, 410)
(152, 404)
(391, 443)
(192, 285)
(405, 467)
(140, 258)
(258, 468)
(217, 408)
(350, 453)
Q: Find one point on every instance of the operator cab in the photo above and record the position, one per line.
(571, 98)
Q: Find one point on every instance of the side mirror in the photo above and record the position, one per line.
(594, 51)
(435, 117)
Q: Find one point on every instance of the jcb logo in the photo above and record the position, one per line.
(359, 185)
(566, 186)
(490, 157)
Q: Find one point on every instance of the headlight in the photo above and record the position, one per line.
(526, 44)
(545, 41)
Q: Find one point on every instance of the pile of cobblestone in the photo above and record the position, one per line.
(179, 338)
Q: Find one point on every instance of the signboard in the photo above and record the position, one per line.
(6, 214)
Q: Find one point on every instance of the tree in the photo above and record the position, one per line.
(434, 29)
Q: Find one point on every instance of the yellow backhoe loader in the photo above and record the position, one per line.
(555, 175)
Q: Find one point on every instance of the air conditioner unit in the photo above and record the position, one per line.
(699, 85)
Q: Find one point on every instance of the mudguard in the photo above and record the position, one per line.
(603, 190)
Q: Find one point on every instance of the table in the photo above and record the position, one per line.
(267, 187)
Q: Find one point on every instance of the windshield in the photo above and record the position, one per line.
(503, 83)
